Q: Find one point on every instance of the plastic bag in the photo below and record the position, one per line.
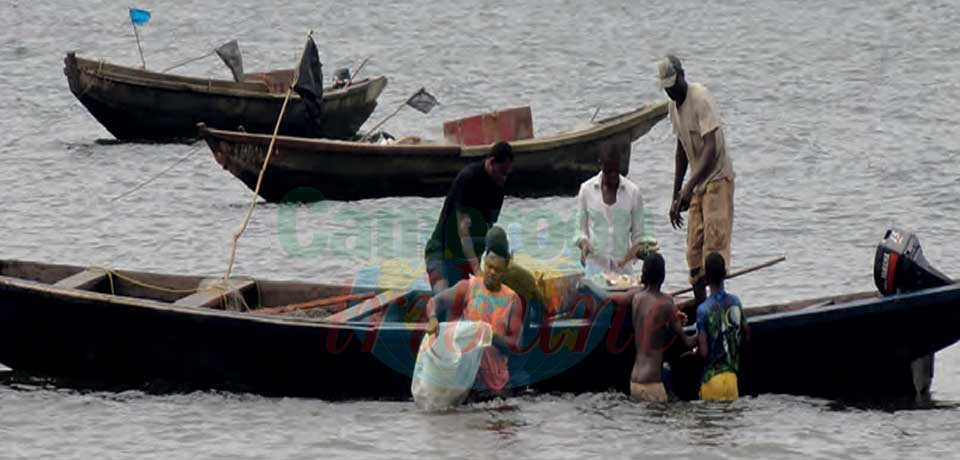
(447, 364)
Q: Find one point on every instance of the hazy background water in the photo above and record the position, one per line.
(840, 118)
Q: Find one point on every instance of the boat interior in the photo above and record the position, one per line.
(325, 302)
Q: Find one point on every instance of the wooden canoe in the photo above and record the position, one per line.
(140, 105)
(315, 169)
(118, 329)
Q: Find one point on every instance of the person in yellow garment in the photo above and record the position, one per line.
(708, 194)
(657, 323)
(721, 330)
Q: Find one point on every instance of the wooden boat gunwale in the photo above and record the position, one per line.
(367, 358)
(101, 69)
(597, 131)
(140, 302)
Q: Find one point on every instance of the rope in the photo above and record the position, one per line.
(110, 277)
(155, 177)
(221, 290)
(110, 273)
(263, 169)
(183, 63)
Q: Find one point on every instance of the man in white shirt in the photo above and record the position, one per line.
(708, 194)
(611, 230)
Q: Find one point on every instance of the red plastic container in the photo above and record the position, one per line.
(504, 125)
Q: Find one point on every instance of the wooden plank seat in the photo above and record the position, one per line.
(366, 308)
(213, 298)
(86, 279)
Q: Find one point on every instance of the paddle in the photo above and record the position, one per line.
(737, 273)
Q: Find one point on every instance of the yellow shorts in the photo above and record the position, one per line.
(721, 387)
(648, 392)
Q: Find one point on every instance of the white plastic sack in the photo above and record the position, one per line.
(447, 364)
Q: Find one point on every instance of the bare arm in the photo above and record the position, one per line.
(680, 170)
(506, 344)
(706, 166)
(441, 304)
(676, 220)
(676, 324)
(466, 242)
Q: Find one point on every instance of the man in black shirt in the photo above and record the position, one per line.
(472, 206)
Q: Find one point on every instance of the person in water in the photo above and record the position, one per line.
(657, 324)
(721, 330)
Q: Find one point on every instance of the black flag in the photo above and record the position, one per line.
(230, 53)
(310, 82)
(422, 101)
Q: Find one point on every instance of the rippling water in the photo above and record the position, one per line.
(841, 121)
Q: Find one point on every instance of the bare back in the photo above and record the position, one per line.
(653, 318)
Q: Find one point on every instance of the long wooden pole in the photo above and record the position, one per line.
(737, 273)
(263, 169)
(137, 34)
(353, 75)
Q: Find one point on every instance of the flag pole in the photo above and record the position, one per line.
(372, 130)
(137, 34)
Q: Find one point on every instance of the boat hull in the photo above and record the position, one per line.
(137, 105)
(852, 350)
(303, 170)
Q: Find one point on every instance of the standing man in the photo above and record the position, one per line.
(708, 194)
(611, 232)
(472, 206)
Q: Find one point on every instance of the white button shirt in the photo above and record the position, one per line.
(610, 229)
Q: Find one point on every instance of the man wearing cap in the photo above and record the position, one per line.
(708, 194)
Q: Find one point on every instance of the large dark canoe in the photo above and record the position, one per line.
(62, 322)
(315, 169)
(139, 105)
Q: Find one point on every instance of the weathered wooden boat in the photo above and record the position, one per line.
(120, 329)
(314, 169)
(139, 105)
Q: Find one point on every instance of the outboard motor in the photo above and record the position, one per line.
(900, 266)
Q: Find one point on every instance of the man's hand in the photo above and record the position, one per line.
(686, 193)
(676, 220)
(585, 250)
(432, 326)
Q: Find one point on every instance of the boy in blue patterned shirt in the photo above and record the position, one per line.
(721, 328)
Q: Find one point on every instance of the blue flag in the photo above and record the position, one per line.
(139, 17)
